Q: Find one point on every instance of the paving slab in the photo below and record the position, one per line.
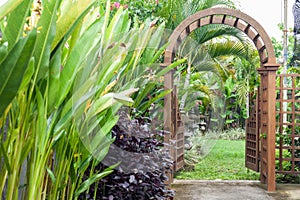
(291, 191)
(231, 190)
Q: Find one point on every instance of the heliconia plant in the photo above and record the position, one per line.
(66, 69)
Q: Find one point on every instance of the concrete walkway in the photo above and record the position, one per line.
(231, 190)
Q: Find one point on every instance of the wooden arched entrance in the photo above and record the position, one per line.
(265, 125)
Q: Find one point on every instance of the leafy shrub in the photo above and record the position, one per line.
(286, 165)
(139, 10)
(233, 134)
(147, 179)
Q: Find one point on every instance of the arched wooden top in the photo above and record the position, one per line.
(230, 17)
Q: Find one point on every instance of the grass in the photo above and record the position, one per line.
(226, 161)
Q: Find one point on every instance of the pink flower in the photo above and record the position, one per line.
(117, 4)
(156, 1)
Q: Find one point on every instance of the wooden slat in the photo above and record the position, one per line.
(252, 137)
(291, 123)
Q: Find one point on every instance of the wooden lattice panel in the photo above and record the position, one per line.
(264, 128)
(180, 148)
(252, 137)
(288, 124)
(179, 145)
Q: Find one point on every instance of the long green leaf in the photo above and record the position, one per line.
(170, 67)
(112, 61)
(147, 104)
(46, 36)
(82, 49)
(81, 95)
(115, 26)
(5, 157)
(104, 27)
(86, 184)
(27, 147)
(108, 100)
(148, 86)
(28, 74)
(72, 13)
(3, 51)
(7, 8)
(159, 53)
(51, 174)
(153, 44)
(84, 164)
(15, 23)
(54, 81)
(13, 69)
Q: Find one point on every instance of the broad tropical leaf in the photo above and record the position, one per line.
(46, 36)
(15, 23)
(71, 14)
(13, 69)
(82, 49)
(8, 7)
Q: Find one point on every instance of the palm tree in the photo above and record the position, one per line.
(211, 49)
(175, 11)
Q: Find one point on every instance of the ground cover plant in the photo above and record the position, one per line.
(141, 176)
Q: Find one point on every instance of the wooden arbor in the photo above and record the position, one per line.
(262, 42)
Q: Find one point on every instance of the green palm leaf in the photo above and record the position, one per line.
(227, 48)
(212, 31)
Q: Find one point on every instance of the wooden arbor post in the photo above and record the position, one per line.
(263, 44)
(268, 124)
(170, 118)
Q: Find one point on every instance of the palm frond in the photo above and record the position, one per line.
(242, 90)
(175, 11)
(204, 4)
(228, 48)
(209, 32)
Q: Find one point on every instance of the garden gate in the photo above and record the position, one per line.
(172, 121)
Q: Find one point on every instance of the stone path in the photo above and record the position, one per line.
(230, 190)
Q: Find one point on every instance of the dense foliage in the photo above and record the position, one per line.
(63, 78)
(145, 173)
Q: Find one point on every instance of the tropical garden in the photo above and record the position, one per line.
(81, 91)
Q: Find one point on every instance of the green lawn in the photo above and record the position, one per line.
(226, 161)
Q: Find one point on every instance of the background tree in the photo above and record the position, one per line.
(296, 53)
